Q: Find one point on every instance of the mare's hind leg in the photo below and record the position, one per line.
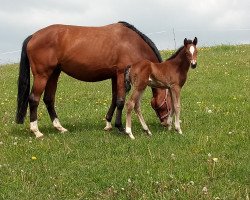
(112, 107)
(141, 119)
(34, 98)
(49, 99)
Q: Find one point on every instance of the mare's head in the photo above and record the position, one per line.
(162, 104)
(191, 51)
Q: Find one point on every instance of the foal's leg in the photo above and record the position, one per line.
(34, 98)
(49, 99)
(133, 103)
(170, 117)
(112, 107)
(141, 119)
(177, 107)
(130, 106)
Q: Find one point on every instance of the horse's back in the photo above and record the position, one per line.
(83, 51)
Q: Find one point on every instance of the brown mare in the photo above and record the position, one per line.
(85, 53)
(171, 74)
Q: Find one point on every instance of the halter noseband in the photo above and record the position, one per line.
(162, 104)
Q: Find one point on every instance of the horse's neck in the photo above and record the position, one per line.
(174, 70)
(180, 62)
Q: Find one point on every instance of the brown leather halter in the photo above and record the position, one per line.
(161, 105)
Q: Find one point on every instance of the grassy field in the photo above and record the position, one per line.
(211, 160)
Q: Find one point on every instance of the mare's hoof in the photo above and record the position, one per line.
(63, 130)
(108, 126)
(121, 129)
(37, 133)
(40, 137)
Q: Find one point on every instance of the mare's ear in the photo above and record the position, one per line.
(185, 42)
(195, 41)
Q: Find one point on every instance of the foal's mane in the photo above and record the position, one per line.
(145, 38)
(178, 51)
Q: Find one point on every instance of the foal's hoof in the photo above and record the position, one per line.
(131, 136)
(179, 131)
(148, 132)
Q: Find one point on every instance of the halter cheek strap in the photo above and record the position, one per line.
(163, 102)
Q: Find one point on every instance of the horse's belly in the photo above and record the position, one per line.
(88, 73)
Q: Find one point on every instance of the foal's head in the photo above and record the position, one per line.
(191, 51)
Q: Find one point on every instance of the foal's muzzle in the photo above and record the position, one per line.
(193, 64)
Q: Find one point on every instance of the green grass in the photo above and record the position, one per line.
(88, 163)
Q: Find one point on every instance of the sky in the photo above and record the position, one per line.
(166, 22)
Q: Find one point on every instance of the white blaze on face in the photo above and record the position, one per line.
(191, 49)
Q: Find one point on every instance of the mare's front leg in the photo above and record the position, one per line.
(177, 107)
(120, 100)
(112, 107)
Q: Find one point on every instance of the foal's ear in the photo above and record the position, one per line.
(185, 42)
(195, 41)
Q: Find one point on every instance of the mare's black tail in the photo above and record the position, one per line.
(23, 84)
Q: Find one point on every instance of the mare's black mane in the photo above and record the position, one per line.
(145, 38)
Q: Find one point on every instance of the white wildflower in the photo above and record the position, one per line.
(191, 182)
(204, 190)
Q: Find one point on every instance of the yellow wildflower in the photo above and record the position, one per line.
(33, 158)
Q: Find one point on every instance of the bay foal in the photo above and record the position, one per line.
(170, 74)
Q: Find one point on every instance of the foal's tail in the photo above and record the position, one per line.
(127, 79)
(23, 84)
